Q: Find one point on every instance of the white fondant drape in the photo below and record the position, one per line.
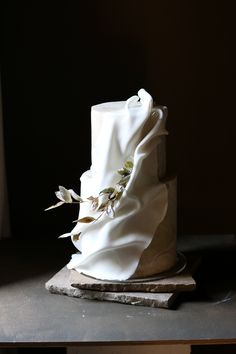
(111, 248)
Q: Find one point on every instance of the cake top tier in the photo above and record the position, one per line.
(109, 106)
(143, 99)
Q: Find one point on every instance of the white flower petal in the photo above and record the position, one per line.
(102, 201)
(59, 196)
(110, 211)
(65, 194)
(54, 206)
(65, 235)
(75, 195)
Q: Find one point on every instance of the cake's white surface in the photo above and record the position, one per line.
(112, 248)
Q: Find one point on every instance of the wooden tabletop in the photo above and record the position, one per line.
(30, 316)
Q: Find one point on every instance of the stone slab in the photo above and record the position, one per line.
(175, 283)
(60, 283)
(164, 300)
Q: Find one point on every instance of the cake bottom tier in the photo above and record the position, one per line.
(161, 255)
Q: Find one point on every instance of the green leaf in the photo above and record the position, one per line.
(118, 195)
(123, 182)
(129, 165)
(123, 171)
(107, 190)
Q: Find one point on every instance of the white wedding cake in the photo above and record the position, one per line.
(127, 220)
(133, 235)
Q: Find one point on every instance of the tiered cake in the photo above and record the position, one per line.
(127, 220)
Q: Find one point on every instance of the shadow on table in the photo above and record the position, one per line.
(27, 259)
(215, 277)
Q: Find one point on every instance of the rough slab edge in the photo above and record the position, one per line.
(160, 283)
(162, 300)
(176, 283)
(60, 284)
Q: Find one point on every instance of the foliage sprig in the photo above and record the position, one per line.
(103, 203)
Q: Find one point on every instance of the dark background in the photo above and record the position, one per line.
(59, 58)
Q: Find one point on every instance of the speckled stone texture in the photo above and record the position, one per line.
(158, 293)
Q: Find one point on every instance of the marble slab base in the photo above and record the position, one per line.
(161, 293)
